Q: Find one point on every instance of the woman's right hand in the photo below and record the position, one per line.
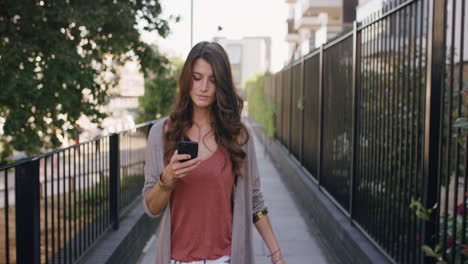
(176, 170)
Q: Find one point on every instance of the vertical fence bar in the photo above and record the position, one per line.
(52, 173)
(46, 213)
(64, 215)
(301, 119)
(386, 70)
(94, 190)
(319, 169)
(75, 205)
(70, 215)
(80, 197)
(7, 225)
(88, 195)
(409, 131)
(101, 190)
(456, 107)
(114, 171)
(380, 116)
(410, 124)
(373, 122)
(394, 137)
(354, 122)
(27, 212)
(364, 176)
(434, 79)
(400, 135)
(460, 87)
(59, 227)
(420, 107)
(290, 71)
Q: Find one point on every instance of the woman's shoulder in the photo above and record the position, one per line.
(158, 127)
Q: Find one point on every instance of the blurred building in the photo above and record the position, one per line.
(130, 86)
(312, 23)
(248, 56)
(123, 97)
(366, 8)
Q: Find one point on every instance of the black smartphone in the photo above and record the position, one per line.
(188, 147)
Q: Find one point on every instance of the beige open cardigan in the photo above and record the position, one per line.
(248, 199)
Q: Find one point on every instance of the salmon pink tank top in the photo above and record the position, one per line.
(201, 211)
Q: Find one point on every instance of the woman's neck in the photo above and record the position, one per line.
(201, 117)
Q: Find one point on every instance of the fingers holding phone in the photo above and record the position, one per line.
(181, 164)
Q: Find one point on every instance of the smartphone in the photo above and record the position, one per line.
(188, 147)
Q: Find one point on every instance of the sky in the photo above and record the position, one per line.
(238, 18)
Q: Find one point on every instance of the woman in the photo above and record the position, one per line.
(209, 202)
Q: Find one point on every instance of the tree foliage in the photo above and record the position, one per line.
(260, 107)
(160, 90)
(55, 56)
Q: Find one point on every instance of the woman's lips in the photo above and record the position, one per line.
(203, 97)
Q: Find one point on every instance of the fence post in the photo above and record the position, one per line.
(355, 107)
(434, 81)
(320, 119)
(114, 180)
(290, 109)
(27, 212)
(301, 120)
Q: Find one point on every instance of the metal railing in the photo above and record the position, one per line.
(374, 117)
(56, 206)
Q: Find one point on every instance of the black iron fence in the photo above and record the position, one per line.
(54, 207)
(379, 118)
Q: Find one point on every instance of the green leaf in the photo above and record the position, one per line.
(422, 215)
(428, 251)
(416, 204)
(461, 122)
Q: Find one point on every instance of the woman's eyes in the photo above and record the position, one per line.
(198, 79)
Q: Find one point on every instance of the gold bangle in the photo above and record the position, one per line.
(165, 187)
(258, 215)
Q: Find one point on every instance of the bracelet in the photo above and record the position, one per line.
(165, 187)
(258, 215)
(277, 260)
(274, 252)
(280, 257)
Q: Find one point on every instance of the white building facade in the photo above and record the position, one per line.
(248, 56)
(312, 23)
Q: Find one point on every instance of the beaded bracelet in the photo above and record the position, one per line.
(274, 252)
(280, 258)
(277, 260)
(165, 187)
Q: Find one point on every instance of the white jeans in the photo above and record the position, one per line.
(221, 260)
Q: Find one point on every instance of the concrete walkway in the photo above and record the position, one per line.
(299, 240)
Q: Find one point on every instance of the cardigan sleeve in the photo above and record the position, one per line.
(258, 203)
(151, 169)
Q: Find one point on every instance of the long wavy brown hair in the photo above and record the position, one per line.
(229, 131)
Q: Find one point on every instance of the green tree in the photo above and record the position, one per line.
(260, 107)
(160, 90)
(53, 58)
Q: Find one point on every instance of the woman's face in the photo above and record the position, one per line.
(203, 92)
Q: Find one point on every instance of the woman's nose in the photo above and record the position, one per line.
(205, 85)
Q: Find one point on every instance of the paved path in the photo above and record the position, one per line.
(299, 240)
